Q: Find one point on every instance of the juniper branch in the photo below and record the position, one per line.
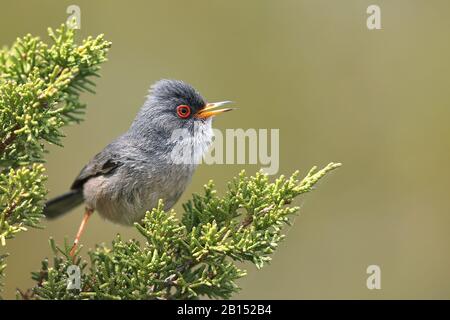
(191, 258)
(40, 88)
(39, 91)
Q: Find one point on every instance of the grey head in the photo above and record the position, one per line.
(171, 105)
(175, 114)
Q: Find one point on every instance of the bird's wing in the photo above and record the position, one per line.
(103, 163)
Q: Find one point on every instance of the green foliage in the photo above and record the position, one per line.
(190, 258)
(40, 88)
(39, 91)
(21, 199)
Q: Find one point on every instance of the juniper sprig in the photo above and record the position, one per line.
(40, 87)
(188, 258)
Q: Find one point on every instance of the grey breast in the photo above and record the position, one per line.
(125, 195)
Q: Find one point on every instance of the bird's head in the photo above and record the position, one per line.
(174, 105)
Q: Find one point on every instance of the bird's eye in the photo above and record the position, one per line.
(183, 111)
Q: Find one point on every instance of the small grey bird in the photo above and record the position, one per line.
(131, 174)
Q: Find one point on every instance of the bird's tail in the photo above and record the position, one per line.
(63, 203)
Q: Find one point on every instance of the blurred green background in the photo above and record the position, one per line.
(378, 101)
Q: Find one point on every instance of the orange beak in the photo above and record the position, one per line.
(211, 110)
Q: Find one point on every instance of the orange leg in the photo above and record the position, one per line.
(87, 215)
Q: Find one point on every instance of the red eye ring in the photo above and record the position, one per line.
(183, 111)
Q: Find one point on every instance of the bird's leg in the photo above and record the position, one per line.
(87, 213)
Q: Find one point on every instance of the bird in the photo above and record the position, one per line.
(148, 162)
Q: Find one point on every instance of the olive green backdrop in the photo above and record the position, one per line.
(378, 101)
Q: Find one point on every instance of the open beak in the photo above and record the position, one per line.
(211, 110)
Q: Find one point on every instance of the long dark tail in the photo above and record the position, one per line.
(63, 203)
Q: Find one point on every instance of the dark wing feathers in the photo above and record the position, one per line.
(101, 164)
